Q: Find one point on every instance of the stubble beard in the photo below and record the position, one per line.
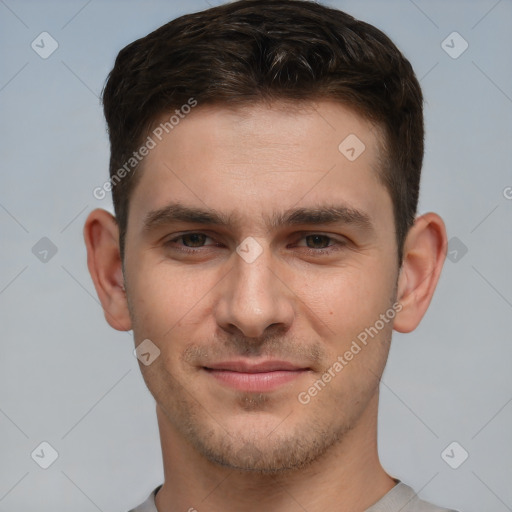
(286, 447)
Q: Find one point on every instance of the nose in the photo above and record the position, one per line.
(254, 297)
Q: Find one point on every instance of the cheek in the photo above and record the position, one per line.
(165, 293)
(349, 297)
(153, 307)
(169, 306)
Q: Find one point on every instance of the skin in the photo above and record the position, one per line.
(226, 449)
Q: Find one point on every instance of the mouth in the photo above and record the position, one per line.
(255, 377)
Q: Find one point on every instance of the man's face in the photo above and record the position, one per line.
(244, 334)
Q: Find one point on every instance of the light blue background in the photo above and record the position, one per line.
(67, 378)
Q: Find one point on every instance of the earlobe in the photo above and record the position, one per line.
(101, 235)
(424, 256)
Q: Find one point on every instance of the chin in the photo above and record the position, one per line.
(266, 451)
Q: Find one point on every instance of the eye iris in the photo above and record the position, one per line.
(317, 238)
(194, 237)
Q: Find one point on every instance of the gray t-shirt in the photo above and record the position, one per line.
(399, 499)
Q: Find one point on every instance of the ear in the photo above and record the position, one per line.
(424, 255)
(101, 234)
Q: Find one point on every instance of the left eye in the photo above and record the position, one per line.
(318, 240)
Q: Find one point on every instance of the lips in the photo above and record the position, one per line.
(262, 367)
(255, 377)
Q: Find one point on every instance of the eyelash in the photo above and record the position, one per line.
(338, 244)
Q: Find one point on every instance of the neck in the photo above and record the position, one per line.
(349, 475)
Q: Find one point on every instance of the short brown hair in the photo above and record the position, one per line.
(253, 50)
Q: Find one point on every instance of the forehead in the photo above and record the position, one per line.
(283, 127)
(263, 157)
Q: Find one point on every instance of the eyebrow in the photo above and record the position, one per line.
(327, 214)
